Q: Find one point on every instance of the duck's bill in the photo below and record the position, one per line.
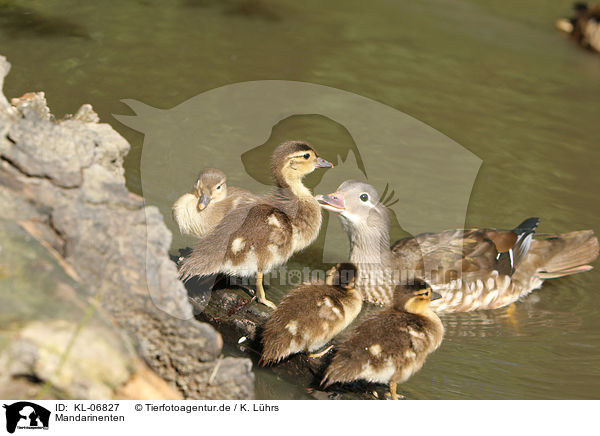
(435, 296)
(333, 202)
(203, 201)
(322, 163)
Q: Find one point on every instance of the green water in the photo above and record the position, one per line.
(494, 77)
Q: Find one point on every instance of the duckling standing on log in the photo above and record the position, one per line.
(391, 345)
(471, 269)
(311, 315)
(252, 239)
(584, 27)
(199, 212)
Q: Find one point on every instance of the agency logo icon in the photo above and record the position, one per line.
(26, 415)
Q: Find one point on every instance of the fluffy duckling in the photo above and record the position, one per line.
(391, 345)
(252, 239)
(311, 315)
(472, 269)
(584, 27)
(199, 212)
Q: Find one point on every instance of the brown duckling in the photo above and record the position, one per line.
(391, 345)
(252, 239)
(584, 27)
(311, 315)
(198, 212)
(472, 269)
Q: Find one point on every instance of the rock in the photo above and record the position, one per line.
(46, 149)
(64, 181)
(39, 347)
(52, 333)
(4, 69)
(87, 114)
(145, 384)
(32, 105)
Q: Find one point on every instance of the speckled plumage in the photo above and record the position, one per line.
(391, 345)
(472, 269)
(309, 316)
(254, 238)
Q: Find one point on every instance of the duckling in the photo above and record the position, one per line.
(391, 345)
(584, 27)
(199, 212)
(311, 315)
(471, 269)
(252, 239)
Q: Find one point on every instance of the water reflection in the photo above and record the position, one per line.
(245, 8)
(18, 21)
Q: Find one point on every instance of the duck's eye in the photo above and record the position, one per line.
(219, 187)
(364, 197)
(306, 156)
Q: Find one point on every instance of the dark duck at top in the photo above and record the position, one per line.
(471, 269)
(584, 27)
(254, 238)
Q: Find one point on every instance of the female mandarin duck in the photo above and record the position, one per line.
(254, 238)
(311, 315)
(471, 269)
(199, 212)
(391, 345)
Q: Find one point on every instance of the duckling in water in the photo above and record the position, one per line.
(252, 239)
(472, 269)
(584, 27)
(391, 345)
(311, 315)
(199, 212)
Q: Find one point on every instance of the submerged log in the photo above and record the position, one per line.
(239, 319)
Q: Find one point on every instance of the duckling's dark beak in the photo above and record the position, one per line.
(203, 201)
(322, 163)
(333, 202)
(435, 295)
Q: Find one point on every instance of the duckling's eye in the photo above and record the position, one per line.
(306, 156)
(364, 197)
(219, 187)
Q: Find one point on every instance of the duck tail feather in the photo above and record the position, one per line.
(527, 226)
(204, 259)
(569, 253)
